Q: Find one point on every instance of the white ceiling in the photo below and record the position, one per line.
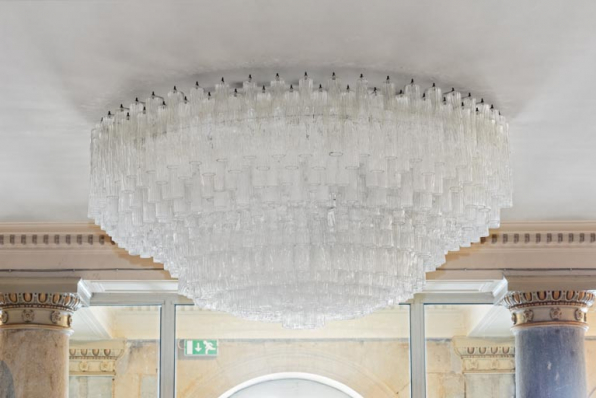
(64, 63)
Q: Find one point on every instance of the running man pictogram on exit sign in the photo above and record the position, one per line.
(200, 348)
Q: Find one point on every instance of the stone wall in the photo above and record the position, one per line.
(372, 368)
(591, 366)
(136, 375)
(447, 379)
(90, 387)
(375, 369)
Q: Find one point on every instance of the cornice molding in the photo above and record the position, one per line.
(540, 235)
(485, 356)
(551, 235)
(83, 250)
(531, 247)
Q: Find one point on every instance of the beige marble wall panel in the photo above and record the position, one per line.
(137, 370)
(490, 385)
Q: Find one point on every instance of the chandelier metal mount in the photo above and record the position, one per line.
(300, 203)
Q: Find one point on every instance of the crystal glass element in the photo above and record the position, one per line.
(300, 203)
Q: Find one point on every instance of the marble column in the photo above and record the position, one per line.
(549, 328)
(34, 333)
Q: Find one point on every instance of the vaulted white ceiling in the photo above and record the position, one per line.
(63, 64)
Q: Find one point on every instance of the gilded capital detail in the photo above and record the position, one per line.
(549, 308)
(38, 310)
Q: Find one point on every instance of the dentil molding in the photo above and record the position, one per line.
(53, 236)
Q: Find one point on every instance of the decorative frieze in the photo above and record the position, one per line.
(549, 307)
(38, 310)
(485, 356)
(93, 238)
(94, 360)
(543, 239)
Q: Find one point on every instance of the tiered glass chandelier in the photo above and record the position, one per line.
(300, 203)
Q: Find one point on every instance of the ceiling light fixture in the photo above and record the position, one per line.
(300, 203)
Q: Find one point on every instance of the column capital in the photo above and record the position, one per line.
(40, 304)
(549, 308)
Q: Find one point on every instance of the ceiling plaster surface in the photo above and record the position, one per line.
(63, 64)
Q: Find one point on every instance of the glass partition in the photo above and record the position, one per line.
(217, 353)
(114, 352)
(469, 352)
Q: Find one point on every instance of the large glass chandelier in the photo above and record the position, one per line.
(300, 203)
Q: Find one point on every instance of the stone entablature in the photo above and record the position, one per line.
(84, 250)
(38, 310)
(485, 356)
(549, 307)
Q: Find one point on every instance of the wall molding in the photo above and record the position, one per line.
(94, 359)
(485, 356)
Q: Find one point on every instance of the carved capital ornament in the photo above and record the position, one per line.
(549, 308)
(38, 310)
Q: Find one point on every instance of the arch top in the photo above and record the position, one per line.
(293, 376)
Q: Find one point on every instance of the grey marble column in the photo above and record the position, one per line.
(34, 333)
(549, 329)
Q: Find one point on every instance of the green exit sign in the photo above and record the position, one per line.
(200, 348)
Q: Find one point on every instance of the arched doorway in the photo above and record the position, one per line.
(291, 385)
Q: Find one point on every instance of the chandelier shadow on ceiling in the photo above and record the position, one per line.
(300, 203)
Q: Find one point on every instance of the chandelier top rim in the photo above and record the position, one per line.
(264, 76)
